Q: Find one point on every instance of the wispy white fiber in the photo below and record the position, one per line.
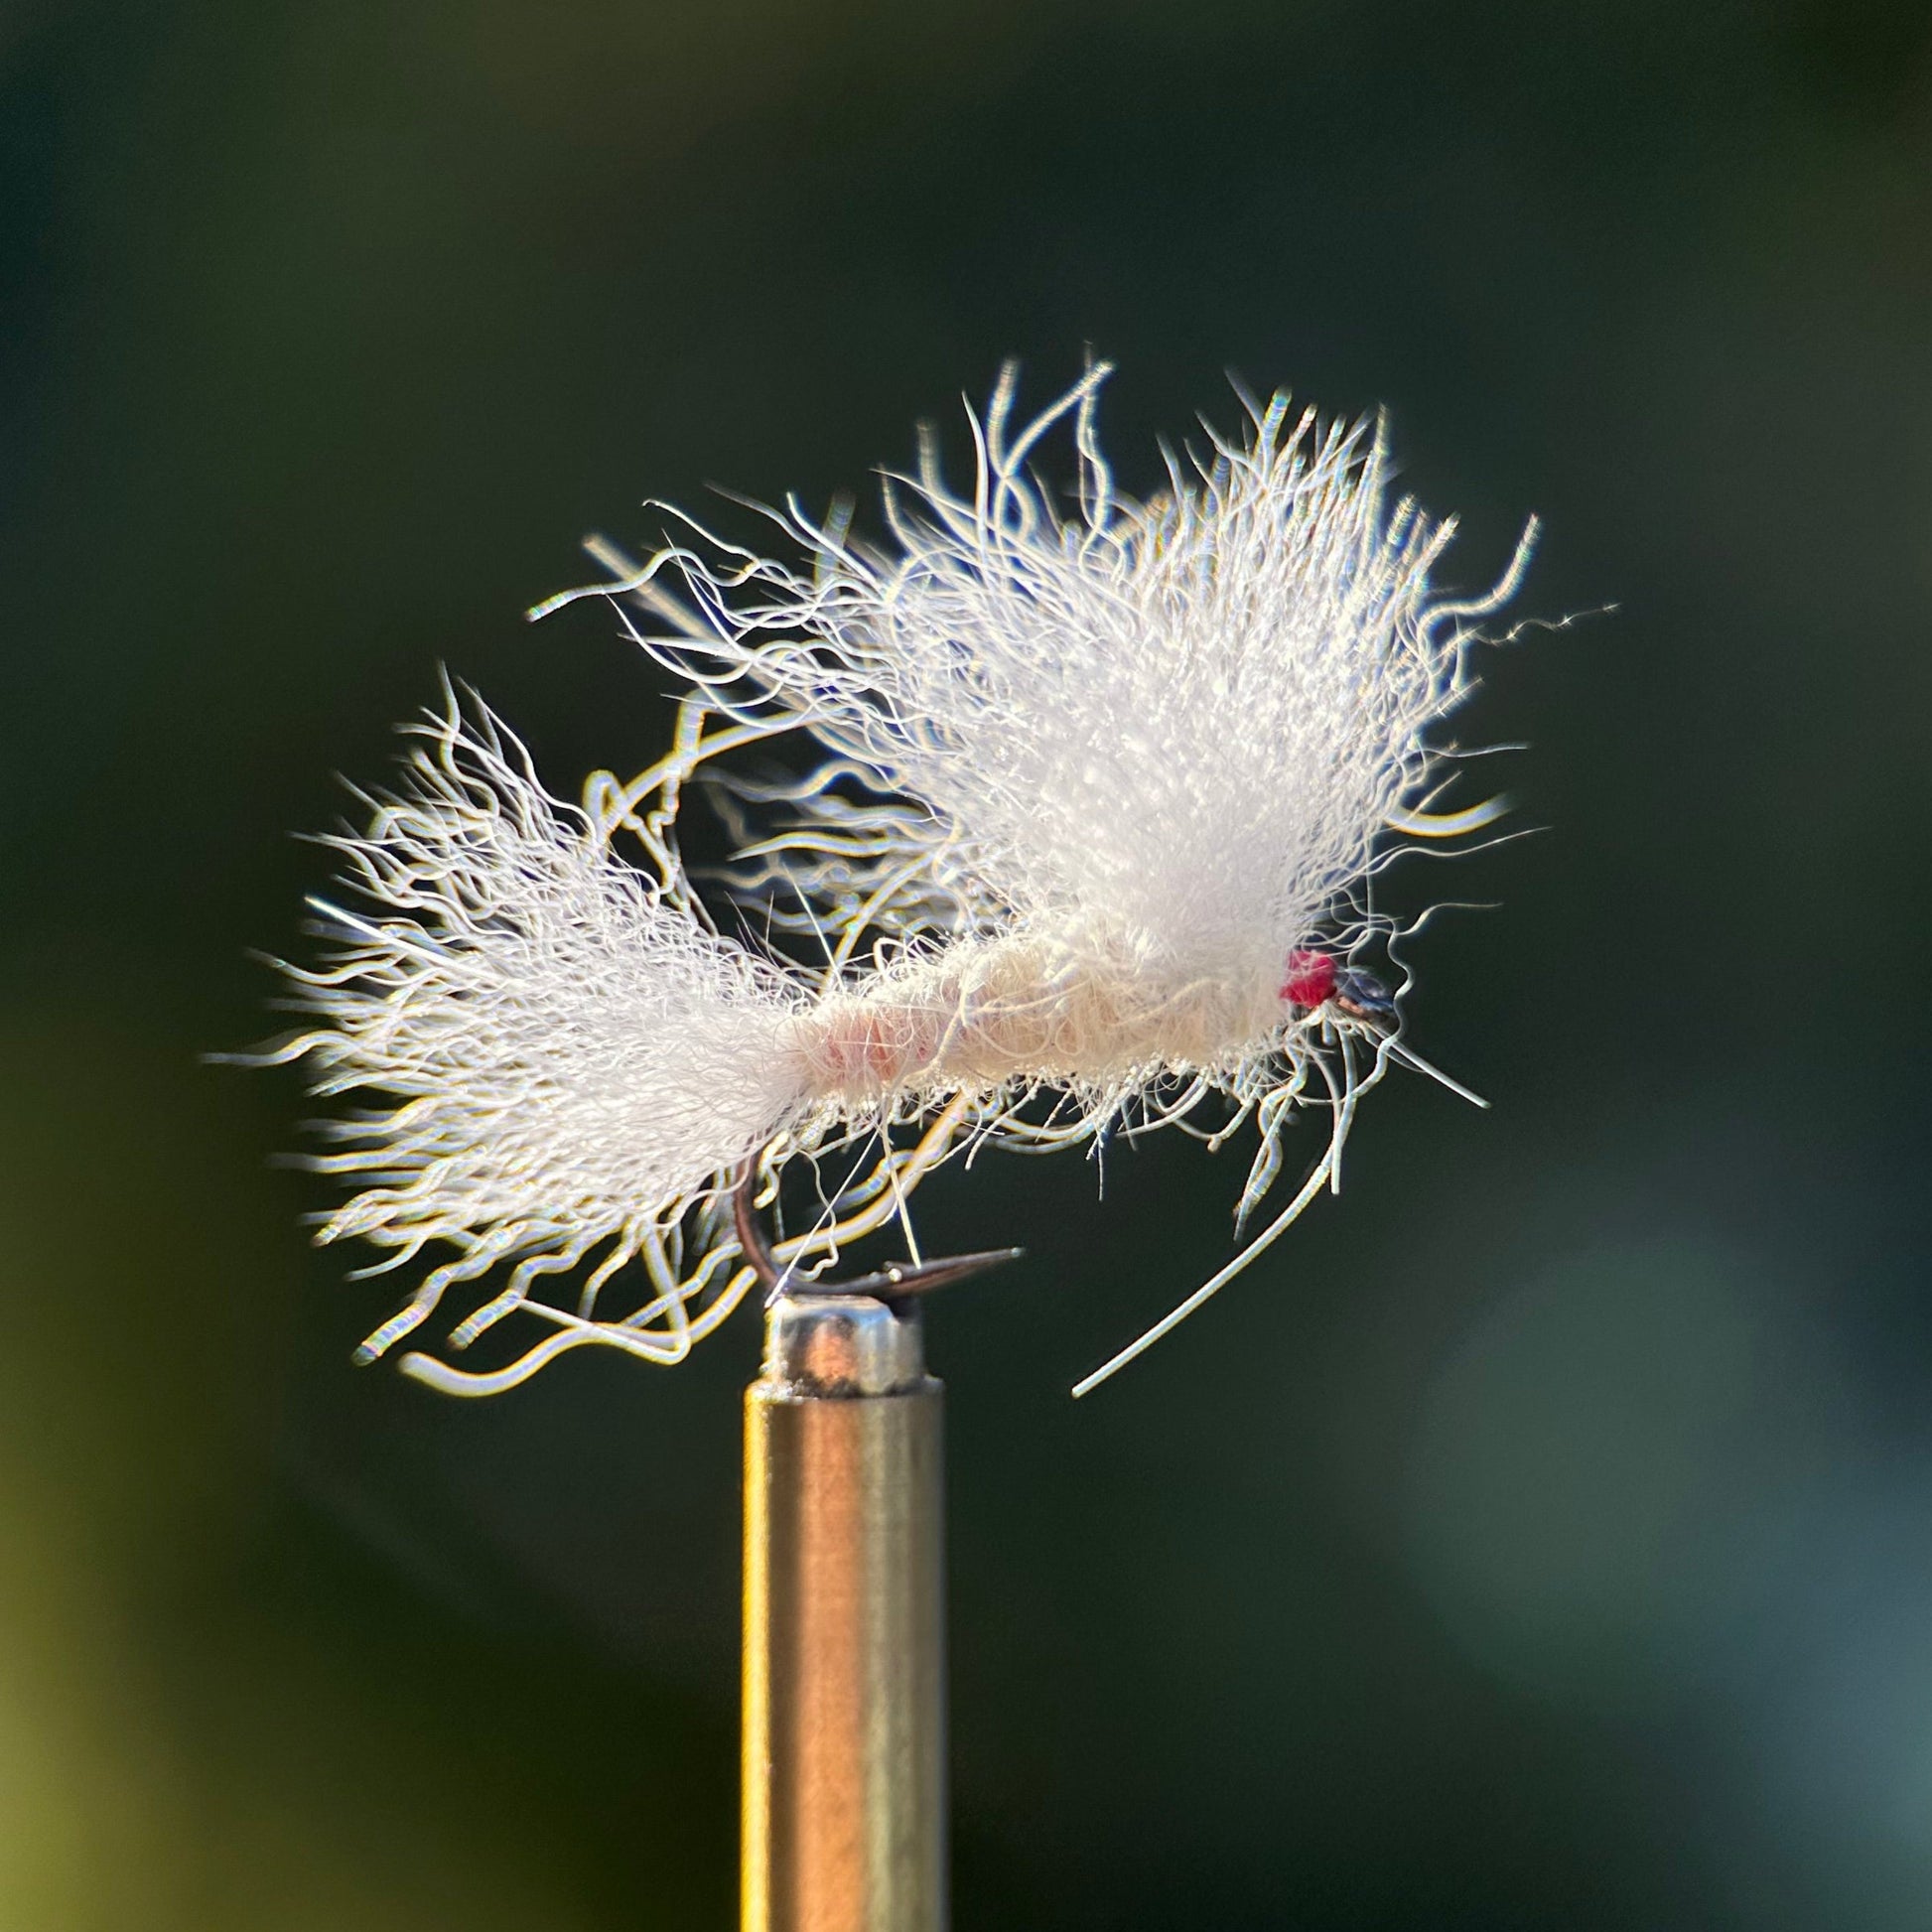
(565, 1056)
(1094, 770)
(1180, 725)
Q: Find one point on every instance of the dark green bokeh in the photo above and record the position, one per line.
(1543, 1535)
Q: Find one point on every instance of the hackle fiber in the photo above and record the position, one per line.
(1094, 769)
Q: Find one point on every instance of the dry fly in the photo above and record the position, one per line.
(1104, 787)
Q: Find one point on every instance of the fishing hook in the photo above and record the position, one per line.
(899, 1281)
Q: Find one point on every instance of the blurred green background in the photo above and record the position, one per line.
(1542, 1537)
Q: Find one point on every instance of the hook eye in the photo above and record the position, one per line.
(1362, 996)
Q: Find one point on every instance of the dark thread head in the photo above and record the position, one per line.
(1316, 979)
(1362, 996)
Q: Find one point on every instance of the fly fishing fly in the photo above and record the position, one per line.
(1103, 788)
